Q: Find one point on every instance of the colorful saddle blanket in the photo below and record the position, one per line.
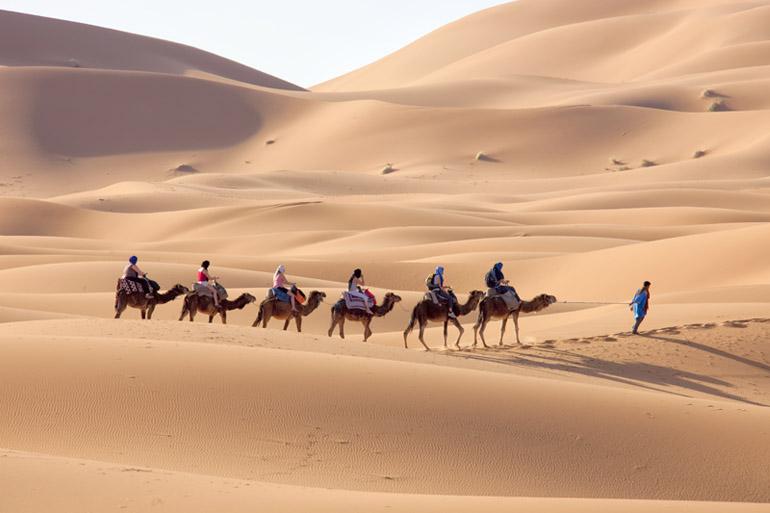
(356, 302)
(129, 287)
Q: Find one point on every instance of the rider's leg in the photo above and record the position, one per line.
(214, 293)
(149, 294)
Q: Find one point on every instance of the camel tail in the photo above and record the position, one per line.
(412, 322)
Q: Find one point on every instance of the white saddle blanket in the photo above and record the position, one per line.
(356, 302)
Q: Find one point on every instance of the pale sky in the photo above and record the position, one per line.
(302, 41)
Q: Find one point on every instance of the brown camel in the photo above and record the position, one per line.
(194, 303)
(271, 307)
(427, 311)
(145, 304)
(340, 314)
(494, 308)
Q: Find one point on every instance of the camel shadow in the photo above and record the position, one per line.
(637, 374)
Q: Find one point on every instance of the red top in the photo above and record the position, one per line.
(202, 276)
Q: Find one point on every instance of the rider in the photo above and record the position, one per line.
(495, 279)
(206, 280)
(441, 290)
(131, 272)
(281, 283)
(355, 288)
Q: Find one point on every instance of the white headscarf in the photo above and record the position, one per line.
(280, 270)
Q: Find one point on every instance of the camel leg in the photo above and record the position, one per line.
(265, 318)
(342, 328)
(476, 328)
(144, 314)
(446, 329)
(298, 321)
(516, 323)
(481, 331)
(367, 331)
(150, 310)
(459, 326)
(286, 324)
(408, 330)
(193, 310)
(184, 311)
(502, 330)
(211, 318)
(334, 324)
(120, 307)
(422, 334)
(223, 315)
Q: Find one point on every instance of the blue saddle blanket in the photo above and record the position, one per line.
(281, 295)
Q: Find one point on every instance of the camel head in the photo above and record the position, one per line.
(179, 289)
(317, 295)
(546, 299)
(391, 297)
(476, 295)
(246, 298)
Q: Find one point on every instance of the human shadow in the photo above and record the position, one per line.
(711, 350)
(637, 374)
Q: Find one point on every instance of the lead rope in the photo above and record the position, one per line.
(590, 303)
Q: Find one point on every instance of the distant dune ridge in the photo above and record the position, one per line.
(588, 145)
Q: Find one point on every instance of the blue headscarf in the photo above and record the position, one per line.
(440, 271)
(499, 266)
(133, 260)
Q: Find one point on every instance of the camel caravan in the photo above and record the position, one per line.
(286, 302)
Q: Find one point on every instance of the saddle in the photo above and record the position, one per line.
(129, 287)
(277, 294)
(356, 302)
(135, 287)
(202, 290)
(432, 295)
(510, 298)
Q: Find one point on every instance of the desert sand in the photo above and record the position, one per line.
(588, 145)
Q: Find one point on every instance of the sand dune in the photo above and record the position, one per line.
(38, 41)
(242, 412)
(588, 145)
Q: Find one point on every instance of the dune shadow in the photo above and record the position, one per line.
(90, 115)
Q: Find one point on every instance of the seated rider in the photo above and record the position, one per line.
(206, 280)
(355, 288)
(442, 290)
(281, 283)
(495, 279)
(131, 272)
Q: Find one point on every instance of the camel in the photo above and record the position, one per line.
(271, 307)
(427, 311)
(494, 308)
(340, 314)
(194, 303)
(145, 304)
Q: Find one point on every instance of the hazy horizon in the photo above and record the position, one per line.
(301, 41)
